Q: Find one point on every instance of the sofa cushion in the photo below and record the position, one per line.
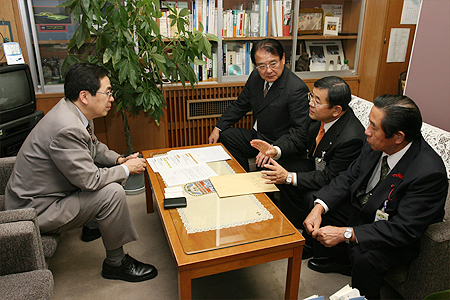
(34, 285)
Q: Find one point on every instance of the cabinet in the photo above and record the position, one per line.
(346, 43)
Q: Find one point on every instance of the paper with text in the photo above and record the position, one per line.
(205, 154)
(188, 174)
(174, 161)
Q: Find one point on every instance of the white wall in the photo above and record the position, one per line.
(428, 80)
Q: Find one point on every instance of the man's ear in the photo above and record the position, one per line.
(337, 109)
(400, 137)
(83, 97)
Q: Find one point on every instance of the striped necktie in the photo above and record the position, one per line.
(266, 89)
(384, 171)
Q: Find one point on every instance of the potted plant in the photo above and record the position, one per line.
(124, 37)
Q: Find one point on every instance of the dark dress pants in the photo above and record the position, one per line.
(237, 141)
(369, 268)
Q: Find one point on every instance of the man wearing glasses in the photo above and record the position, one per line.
(330, 140)
(56, 172)
(277, 97)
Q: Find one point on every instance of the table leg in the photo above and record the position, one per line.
(293, 274)
(184, 285)
(148, 192)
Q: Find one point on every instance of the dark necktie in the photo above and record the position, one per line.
(384, 171)
(320, 135)
(266, 89)
(89, 129)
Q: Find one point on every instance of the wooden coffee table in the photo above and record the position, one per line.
(258, 242)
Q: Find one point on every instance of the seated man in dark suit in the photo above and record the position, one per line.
(383, 203)
(277, 97)
(56, 172)
(313, 163)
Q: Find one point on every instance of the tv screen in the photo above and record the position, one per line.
(17, 98)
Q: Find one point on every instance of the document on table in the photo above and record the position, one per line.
(185, 175)
(241, 184)
(168, 162)
(180, 168)
(205, 154)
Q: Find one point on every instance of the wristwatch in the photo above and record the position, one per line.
(348, 234)
(289, 178)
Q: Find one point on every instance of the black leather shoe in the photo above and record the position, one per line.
(130, 270)
(88, 234)
(307, 252)
(329, 265)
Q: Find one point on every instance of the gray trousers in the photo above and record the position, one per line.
(108, 206)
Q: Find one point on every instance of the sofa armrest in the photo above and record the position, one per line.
(439, 232)
(20, 248)
(6, 167)
(26, 214)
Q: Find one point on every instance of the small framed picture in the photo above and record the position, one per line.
(325, 55)
(310, 21)
(331, 26)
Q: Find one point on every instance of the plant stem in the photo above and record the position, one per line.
(130, 149)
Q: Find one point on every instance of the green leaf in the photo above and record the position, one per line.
(184, 12)
(107, 55)
(212, 37)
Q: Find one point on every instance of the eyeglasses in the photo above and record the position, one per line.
(109, 94)
(313, 99)
(271, 66)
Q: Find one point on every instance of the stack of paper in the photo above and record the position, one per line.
(180, 168)
(346, 293)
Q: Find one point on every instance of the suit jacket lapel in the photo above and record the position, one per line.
(381, 194)
(274, 92)
(331, 135)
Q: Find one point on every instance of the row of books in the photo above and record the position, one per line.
(202, 11)
(254, 23)
(236, 23)
(207, 71)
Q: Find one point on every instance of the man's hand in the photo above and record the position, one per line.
(135, 165)
(214, 136)
(313, 220)
(121, 159)
(277, 173)
(265, 151)
(330, 236)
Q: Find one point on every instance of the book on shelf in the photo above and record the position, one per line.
(333, 10)
(287, 17)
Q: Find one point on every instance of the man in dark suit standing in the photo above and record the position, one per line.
(329, 141)
(56, 172)
(383, 203)
(277, 97)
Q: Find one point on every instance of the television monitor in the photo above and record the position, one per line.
(17, 98)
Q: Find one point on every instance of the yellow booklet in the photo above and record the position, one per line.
(241, 184)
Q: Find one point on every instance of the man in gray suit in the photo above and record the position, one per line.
(56, 172)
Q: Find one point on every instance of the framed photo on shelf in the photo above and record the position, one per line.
(331, 26)
(325, 55)
(310, 21)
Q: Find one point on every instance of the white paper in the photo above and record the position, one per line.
(333, 10)
(410, 12)
(173, 192)
(188, 174)
(398, 43)
(205, 154)
(167, 162)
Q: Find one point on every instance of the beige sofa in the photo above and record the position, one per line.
(430, 272)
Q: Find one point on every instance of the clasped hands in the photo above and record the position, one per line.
(328, 236)
(135, 164)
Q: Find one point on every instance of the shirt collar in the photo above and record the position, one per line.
(328, 125)
(83, 118)
(395, 158)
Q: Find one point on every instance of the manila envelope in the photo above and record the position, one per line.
(241, 184)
